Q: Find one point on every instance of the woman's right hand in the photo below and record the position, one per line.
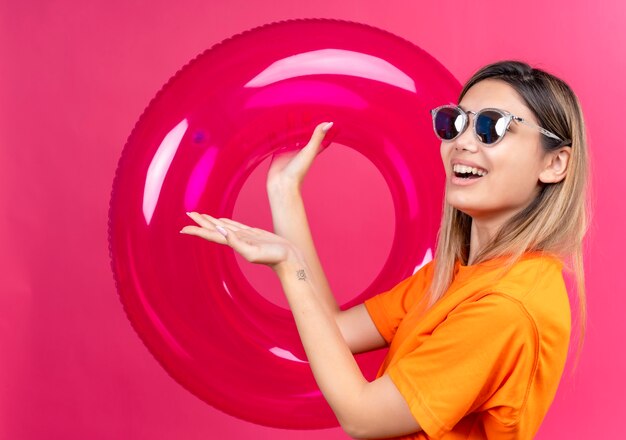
(284, 178)
(287, 169)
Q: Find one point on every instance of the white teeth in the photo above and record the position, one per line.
(464, 169)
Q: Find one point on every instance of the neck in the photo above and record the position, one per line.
(481, 234)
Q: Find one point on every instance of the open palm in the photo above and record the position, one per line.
(255, 245)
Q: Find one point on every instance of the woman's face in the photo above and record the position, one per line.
(512, 166)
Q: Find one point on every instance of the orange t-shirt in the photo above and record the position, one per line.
(486, 360)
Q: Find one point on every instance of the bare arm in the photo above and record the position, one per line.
(364, 409)
(290, 221)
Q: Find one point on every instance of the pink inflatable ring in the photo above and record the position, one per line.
(192, 150)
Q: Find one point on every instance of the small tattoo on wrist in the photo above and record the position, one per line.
(301, 274)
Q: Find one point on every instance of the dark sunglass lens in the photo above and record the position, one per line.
(448, 123)
(490, 126)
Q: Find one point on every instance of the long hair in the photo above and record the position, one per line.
(556, 220)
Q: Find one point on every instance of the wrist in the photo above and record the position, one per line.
(293, 261)
(284, 197)
(280, 191)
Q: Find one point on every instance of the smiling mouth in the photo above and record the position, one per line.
(465, 172)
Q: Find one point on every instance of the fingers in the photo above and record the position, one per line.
(210, 235)
(243, 245)
(241, 241)
(226, 222)
(210, 224)
(285, 155)
(202, 220)
(318, 135)
(253, 244)
(299, 164)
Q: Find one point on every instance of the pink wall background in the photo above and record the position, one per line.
(74, 78)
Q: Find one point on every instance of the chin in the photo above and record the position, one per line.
(482, 213)
(462, 204)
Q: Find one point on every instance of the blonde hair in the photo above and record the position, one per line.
(556, 220)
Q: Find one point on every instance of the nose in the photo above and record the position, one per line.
(467, 140)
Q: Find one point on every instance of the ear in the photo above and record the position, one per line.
(555, 166)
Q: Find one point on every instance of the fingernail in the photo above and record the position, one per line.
(221, 230)
(182, 232)
(189, 214)
(326, 127)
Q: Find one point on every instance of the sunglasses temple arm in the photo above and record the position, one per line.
(541, 129)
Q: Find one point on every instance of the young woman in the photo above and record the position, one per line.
(478, 337)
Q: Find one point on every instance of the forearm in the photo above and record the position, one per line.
(290, 222)
(335, 369)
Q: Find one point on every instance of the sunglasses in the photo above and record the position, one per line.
(490, 124)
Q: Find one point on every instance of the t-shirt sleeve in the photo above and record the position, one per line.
(483, 355)
(387, 309)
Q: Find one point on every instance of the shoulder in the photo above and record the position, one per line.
(536, 283)
(496, 311)
(534, 291)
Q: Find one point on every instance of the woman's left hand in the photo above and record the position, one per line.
(254, 244)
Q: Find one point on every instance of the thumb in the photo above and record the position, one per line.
(320, 132)
(312, 148)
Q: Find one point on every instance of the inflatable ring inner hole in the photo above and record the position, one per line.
(352, 234)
